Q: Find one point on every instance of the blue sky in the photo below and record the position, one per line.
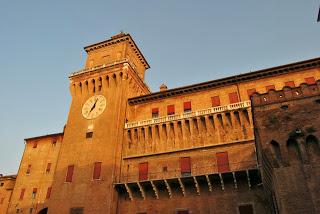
(185, 42)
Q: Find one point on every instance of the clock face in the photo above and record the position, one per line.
(94, 106)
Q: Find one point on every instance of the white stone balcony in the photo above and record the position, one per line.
(208, 111)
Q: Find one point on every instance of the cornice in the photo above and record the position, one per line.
(269, 72)
(44, 136)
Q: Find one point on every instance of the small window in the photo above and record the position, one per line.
(96, 170)
(246, 209)
(69, 173)
(28, 169)
(34, 193)
(35, 145)
(170, 109)
(89, 134)
(155, 112)
(290, 84)
(48, 168)
(22, 194)
(223, 162)
(233, 97)
(48, 192)
(270, 87)
(76, 210)
(251, 91)
(1, 184)
(17, 210)
(310, 80)
(187, 106)
(215, 101)
(185, 166)
(143, 171)
(165, 169)
(30, 210)
(54, 142)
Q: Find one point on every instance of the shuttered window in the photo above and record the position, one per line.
(290, 84)
(48, 167)
(251, 91)
(185, 165)
(22, 194)
(170, 109)
(28, 169)
(96, 170)
(48, 192)
(223, 162)
(143, 171)
(310, 80)
(187, 106)
(215, 101)
(270, 87)
(233, 97)
(155, 112)
(69, 173)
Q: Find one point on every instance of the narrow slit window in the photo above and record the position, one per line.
(96, 170)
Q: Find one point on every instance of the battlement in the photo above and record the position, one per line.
(286, 94)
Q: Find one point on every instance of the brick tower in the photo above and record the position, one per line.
(90, 155)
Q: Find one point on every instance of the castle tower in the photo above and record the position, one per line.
(90, 155)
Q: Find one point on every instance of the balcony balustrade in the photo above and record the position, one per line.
(212, 110)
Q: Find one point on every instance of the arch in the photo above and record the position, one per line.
(294, 152)
(93, 81)
(100, 84)
(275, 149)
(312, 147)
(108, 81)
(43, 211)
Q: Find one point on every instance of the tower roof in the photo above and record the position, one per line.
(121, 37)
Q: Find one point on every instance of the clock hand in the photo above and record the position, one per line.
(94, 105)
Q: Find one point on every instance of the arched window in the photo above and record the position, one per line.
(293, 151)
(312, 146)
(275, 149)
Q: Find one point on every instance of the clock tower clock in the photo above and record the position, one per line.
(89, 164)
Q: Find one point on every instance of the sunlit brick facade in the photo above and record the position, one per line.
(126, 150)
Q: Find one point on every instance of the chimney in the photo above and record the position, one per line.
(163, 87)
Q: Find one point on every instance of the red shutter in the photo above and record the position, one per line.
(310, 80)
(233, 97)
(223, 162)
(185, 165)
(48, 167)
(269, 87)
(251, 91)
(290, 84)
(35, 144)
(215, 101)
(155, 110)
(143, 171)
(187, 106)
(96, 170)
(48, 192)
(22, 193)
(170, 109)
(34, 190)
(69, 173)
